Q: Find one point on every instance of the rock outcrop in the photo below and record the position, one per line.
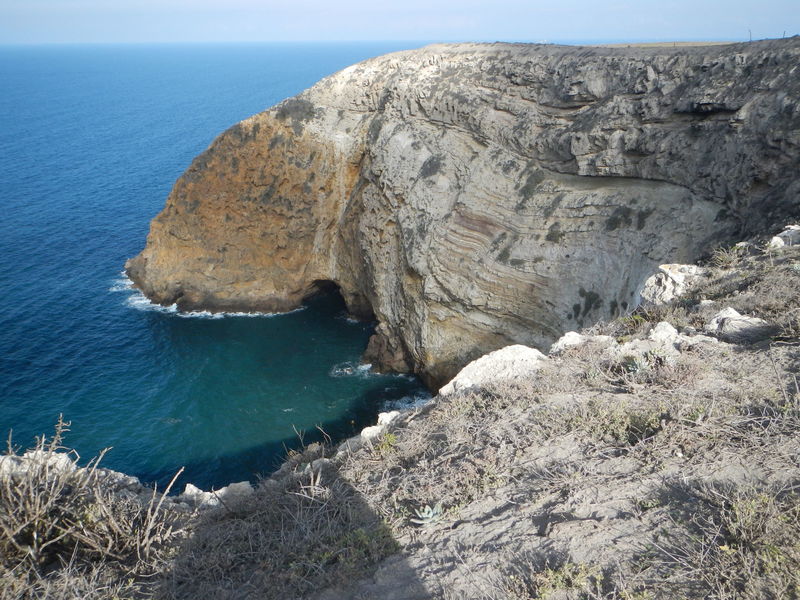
(669, 283)
(472, 196)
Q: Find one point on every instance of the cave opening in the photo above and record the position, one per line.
(325, 291)
(328, 292)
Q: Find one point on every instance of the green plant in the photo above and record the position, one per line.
(428, 515)
(739, 543)
(529, 583)
(726, 258)
(387, 443)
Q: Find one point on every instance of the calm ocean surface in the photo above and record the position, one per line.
(91, 140)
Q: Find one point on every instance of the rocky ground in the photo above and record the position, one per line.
(653, 456)
(636, 461)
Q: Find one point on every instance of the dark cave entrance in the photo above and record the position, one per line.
(330, 293)
(327, 290)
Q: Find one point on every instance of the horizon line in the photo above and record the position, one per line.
(566, 42)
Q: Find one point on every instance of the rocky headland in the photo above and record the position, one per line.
(479, 201)
(472, 196)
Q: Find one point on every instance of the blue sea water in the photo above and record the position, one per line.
(91, 140)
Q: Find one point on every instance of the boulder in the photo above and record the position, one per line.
(670, 282)
(730, 326)
(511, 362)
(790, 236)
(572, 339)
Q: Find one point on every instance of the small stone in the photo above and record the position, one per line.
(241, 489)
(191, 490)
(387, 418)
(730, 326)
(373, 432)
(568, 340)
(664, 333)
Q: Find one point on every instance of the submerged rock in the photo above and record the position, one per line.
(473, 196)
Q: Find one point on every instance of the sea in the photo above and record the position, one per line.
(92, 138)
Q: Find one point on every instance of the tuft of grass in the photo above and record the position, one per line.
(526, 581)
(735, 543)
(727, 257)
(65, 533)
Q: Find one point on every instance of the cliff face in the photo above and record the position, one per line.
(474, 196)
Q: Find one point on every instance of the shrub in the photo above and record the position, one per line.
(61, 523)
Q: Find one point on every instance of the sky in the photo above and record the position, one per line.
(159, 21)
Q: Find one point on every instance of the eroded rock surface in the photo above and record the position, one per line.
(474, 196)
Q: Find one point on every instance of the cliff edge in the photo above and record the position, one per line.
(472, 196)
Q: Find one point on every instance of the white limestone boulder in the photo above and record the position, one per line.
(241, 489)
(571, 339)
(511, 362)
(670, 282)
(790, 236)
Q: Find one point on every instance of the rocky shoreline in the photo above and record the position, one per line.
(473, 196)
(654, 456)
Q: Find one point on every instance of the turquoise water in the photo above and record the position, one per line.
(91, 140)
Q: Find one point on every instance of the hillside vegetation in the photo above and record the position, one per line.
(645, 462)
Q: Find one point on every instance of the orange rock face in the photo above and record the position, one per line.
(473, 196)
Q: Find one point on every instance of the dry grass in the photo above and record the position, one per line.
(302, 532)
(66, 533)
(704, 447)
(727, 416)
(762, 284)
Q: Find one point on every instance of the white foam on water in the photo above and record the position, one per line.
(351, 369)
(139, 301)
(348, 319)
(123, 284)
(363, 371)
(407, 402)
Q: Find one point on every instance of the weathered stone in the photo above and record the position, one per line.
(664, 342)
(472, 196)
(511, 362)
(573, 338)
(671, 282)
(788, 237)
(728, 325)
(57, 461)
(242, 489)
(194, 496)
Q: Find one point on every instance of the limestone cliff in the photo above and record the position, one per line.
(471, 196)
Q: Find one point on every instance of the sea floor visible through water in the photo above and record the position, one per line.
(91, 140)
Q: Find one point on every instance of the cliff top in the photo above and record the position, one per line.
(645, 458)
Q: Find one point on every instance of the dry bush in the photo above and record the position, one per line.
(450, 457)
(766, 285)
(300, 533)
(728, 541)
(65, 533)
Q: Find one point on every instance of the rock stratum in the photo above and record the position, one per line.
(472, 196)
